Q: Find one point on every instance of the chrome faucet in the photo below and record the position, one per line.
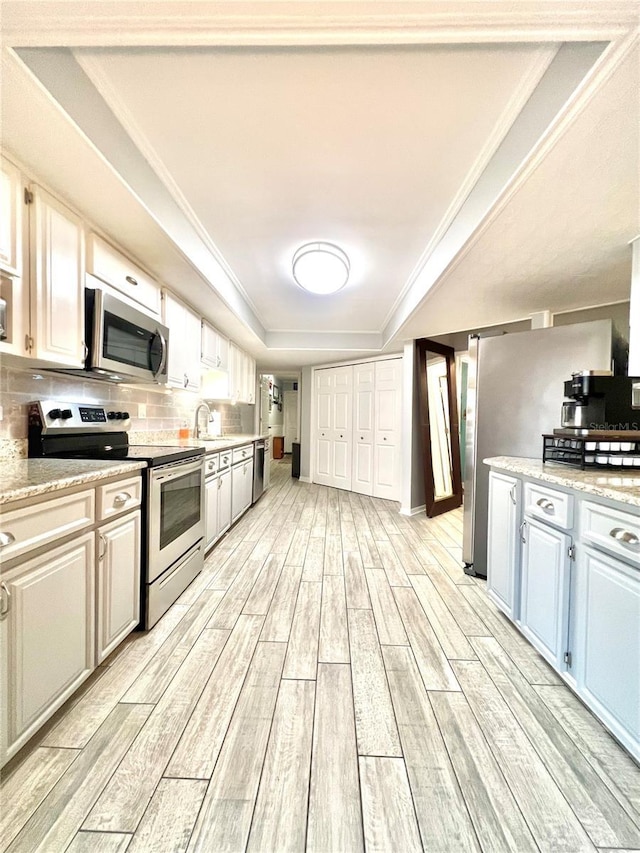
(196, 425)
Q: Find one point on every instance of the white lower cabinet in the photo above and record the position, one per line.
(607, 642)
(224, 502)
(118, 592)
(241, 488)
(544, 590)
(47, 636)
(503, 548)
(573, 592)
(218, 506)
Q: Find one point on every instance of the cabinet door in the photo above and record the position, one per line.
(11, 206)
(544, 598)
(388, 415)
(606, 653)
(109, 265)
(57, 281)
(234, 372)
(191, 344)
(118, 582)
(209, 345)
(363, 427)
(250, 379)
(48, 647)
(184, 344)
(503, 545)
(211, 510)
(237, 492)
(224, 502)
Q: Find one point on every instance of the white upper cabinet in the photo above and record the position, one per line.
(109, 265)
(215, 348)
(11, 204)
(184, 344)
(57, 281)
(242, 376)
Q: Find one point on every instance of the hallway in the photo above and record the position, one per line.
(334, 682)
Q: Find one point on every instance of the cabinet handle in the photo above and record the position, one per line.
(6, 599)
(121, 499)
(219, 482)
(384, 438)
(512, 493)
(523, 527)
(131, 280)
(186, 380)
(340, 435)
(6, 539)
(546, 505)
(85, 351)
(624, 537)
(104, 548)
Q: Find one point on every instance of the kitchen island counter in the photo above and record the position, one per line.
(619, 486)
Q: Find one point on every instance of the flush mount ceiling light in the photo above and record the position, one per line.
(320, 267)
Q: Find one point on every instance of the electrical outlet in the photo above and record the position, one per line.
(142, 410)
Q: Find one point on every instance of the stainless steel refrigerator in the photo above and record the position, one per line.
(514, 395)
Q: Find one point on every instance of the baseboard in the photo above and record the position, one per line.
(304, 479)
(414, 510)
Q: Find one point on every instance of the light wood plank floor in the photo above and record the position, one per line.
(333, 682)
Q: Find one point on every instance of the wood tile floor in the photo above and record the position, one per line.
(333, 681)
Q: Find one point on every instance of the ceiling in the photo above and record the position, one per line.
(474, 177)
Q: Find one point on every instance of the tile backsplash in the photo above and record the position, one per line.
(165, 411)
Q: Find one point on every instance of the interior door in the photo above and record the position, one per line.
(363, 432)
(324, 417)
(342, 427)
(334, 426)
(388, 420)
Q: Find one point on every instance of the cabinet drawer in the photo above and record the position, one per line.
(224, 460)
(115, 498)
(33, 526)
(612, 530)
(107, 264)
(549, 505)
(242, 453)
(211, 464)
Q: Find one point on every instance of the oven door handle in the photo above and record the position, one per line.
(163, 475)
(163, 357)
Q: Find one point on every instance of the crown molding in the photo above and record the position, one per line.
(39, 23)
(603, 69)
(110, 96)
(544, 57)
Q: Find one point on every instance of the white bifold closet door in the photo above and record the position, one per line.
(358, 419)
(334, 426)
(364, 389)
(387, 426)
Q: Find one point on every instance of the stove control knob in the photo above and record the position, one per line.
(65, 414)
(111, 415)
(119, 416)
(125, 416)
(54, 413)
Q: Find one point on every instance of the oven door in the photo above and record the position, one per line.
(123, 340)
(176, 518)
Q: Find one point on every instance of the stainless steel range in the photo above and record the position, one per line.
(173, 491)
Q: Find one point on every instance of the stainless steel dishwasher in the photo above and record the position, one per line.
(258, 470)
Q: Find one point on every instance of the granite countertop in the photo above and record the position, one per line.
(224, 442)
(28, 478)
(620, 486)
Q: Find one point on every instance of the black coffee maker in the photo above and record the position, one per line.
(599, 401)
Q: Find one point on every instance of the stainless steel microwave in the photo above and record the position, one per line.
(123, 343)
